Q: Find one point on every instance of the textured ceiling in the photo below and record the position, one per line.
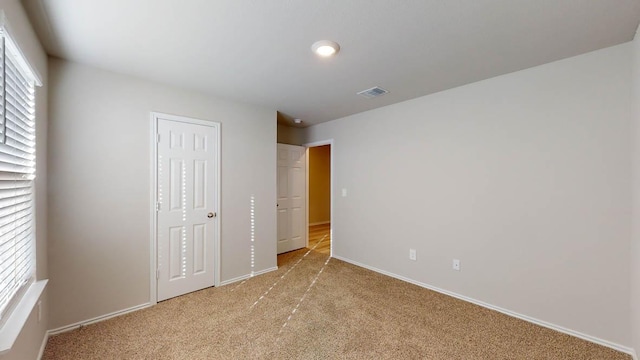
(259, 51)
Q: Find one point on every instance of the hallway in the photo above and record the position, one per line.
(320, 238)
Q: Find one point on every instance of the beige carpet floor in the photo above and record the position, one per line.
(316, 308)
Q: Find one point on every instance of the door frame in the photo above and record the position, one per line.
(331, 182)
(153, 242)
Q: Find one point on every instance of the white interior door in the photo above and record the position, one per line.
(292, 234)
(187, 183)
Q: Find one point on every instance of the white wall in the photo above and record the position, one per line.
(99, 186)
(525, 178)
(635, 239)
(31, 337)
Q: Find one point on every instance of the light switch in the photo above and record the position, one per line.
(456, 264)
(344, 192)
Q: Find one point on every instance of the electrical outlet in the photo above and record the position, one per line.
(456, 264)
(412, 254)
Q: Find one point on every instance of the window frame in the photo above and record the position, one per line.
(25, 300)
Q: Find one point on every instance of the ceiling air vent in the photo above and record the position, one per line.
(373, 92)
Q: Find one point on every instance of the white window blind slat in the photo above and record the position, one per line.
(6, 250)
(16, 82)
(17, 172)
(10, 211)
(4, 207)
(4, 158)
(8, 150)
(12, 70)
(20, 127)
(15, 109)
(19, 95)
(13, 184)
(2, 93)
(13, 217)
(6, 274)
(20, 214)
(12, 193)
(12, 231)
(5, 294)
(22, 257)
(12, 254)
(18, 123)
(17, 206)
(13, 123)
(19, 209)
(15, 70)
(15, 168)
(19, 137)
(15, 177)
(18, 146)
(25, 124)
(16, 197)
(14, 104)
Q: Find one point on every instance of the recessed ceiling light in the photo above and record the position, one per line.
(297, 121)
(325, 47)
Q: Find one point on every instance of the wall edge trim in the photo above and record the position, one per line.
(45, 340)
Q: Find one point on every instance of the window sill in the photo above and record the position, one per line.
(19, 316)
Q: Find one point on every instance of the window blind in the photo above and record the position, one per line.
(17, 174)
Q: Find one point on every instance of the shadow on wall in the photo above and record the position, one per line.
(288, 134)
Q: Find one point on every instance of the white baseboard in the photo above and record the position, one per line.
(634, 355)
(247, 276)
(97, 319)
(319, 223)
(551, 326)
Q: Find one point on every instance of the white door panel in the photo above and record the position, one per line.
(186, 192)
(291, 198)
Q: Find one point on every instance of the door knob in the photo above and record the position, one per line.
(210, 215)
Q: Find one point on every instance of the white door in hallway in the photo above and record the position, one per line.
(292, 234)
(187, 186)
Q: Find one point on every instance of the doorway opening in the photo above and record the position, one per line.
(319, 190)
